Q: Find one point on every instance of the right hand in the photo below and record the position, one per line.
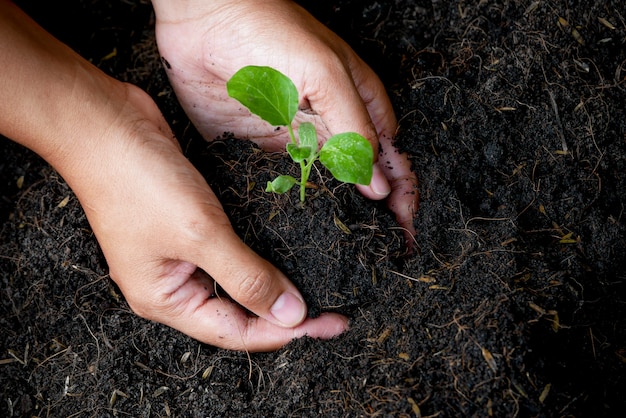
(203, 43)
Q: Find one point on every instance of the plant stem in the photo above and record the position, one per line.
(292, 135)
(305, 169)
(303, 179)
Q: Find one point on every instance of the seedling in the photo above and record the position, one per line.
(273, 97)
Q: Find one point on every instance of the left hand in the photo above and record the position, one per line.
(163, 232)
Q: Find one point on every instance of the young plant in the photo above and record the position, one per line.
(273, 97)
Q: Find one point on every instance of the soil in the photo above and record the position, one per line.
(514, 303)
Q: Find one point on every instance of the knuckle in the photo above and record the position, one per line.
(157, 309)
(152, 306)
(209, 221)
(140, 308)
(254, 288)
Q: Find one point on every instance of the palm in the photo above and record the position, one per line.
(199, 79)
(338, 92)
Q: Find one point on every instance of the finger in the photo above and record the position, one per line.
(353, 99)
(189, 302)
(404, 196)
(204, 237)
(404, 202)
(249, 279)
(222, 323)
(342, 109)
(376, 100)
(379, 188)
(392, 165)
(359, 103)
(334, 97)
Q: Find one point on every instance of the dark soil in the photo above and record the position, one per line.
(513, 305)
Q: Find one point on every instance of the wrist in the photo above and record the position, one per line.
(62, 107)
(182, 10)
(185, 10)
(127, 122)
(51, 99)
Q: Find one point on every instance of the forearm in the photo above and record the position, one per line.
(49, 94)
(179, 10)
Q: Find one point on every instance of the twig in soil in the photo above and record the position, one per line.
(593, 345)
(421, 280)
(44, 361)
(293, 255)
(94, 337)
(559, 131)
(531, 8)
(424, 118)
(406, 232)
(13, 354)
(491, 362)
(618, 73)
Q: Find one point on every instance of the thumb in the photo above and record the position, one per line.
(356, 101)
(252, 281)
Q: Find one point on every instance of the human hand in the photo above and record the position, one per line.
(161, 228)
(204, 43)
(158, 223)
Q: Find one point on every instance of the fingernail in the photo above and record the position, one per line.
(379, 183)
(289, 310)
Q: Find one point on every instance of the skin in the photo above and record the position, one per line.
(162, 230)
(205, 43)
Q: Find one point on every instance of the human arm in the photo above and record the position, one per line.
(157, 221)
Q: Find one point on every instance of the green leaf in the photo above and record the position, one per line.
(307, 147)
(349, 157)
(266, 92)
(299, 153)
(307, 135)
(281, 184)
